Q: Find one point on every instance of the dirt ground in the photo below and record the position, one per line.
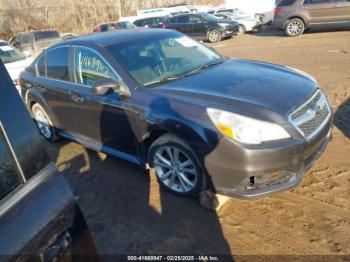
(128, 213)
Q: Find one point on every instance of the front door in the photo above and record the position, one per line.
(198, 28)
(101, 120)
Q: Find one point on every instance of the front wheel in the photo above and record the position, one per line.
(175, 166)
(241, 30)
(214, 36)
(295, 27)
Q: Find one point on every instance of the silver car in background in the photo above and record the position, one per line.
(246, 23)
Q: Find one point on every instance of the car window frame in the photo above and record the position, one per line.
(72, 60)
(305, 2)
(12, 155)
(69, 64)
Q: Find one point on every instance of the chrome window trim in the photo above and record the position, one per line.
(324, 123)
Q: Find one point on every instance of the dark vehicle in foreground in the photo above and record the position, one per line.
(296, 16)
(151, 22)
(112, 26)
(34, 41)
(203, 26)
(197, 120)
(39, 217)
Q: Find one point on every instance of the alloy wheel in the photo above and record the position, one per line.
(175, 169)
(295, 28)
(43, 121)
(214, 36)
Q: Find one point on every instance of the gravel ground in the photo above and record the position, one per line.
(128, 213)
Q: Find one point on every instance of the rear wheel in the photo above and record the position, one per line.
(175, 165)
(214, 36)
(44, 123)
(295, 27)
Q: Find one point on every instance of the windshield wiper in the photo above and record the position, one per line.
(186, 74)
(200, 68)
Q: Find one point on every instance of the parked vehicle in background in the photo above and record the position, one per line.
(112, 26)
(34, 41)
(295, 16)
(15, 61)
(39, 217)
(264, 10)
(246, 24)
(151, 22)
(203, 26)
(160, 99)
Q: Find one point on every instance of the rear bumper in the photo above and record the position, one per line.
(250, 173)
(279, 23)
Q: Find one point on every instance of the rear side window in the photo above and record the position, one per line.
(57, 62)
(45, 35)
(9, 176)
(183, 20)
(286, 2)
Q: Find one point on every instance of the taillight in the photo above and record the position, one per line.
(278, 10)
(165, 25)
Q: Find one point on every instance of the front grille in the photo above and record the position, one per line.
(310, 117)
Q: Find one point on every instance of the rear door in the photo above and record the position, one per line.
(342, 10)
(319, 11)
(53, 85)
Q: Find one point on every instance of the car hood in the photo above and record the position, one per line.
(273, 87)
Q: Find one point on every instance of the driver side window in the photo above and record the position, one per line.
(89, 67)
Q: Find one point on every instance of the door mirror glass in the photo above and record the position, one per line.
(105, 86)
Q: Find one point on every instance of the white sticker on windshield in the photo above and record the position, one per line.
(6, 48)
(185, 41)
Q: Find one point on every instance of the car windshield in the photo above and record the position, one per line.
(10, 54)
(208, 17)
(163, 58)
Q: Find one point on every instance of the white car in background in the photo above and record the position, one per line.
(15, 61)
(246, 23)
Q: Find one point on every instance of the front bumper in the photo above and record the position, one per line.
(230, 31)
(255, 172)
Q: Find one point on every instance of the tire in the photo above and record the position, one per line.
(182, 175)
(44, 123)
(241, 30)
(295, 27)
(214, 36)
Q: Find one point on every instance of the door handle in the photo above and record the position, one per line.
(304, 7)
(41, 89)
(77, 99)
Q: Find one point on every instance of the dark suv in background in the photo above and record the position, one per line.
(295, 16)
(203, 26)
(39, 217)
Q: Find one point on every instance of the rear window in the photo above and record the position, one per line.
(286, 2)
(46, 35)
(10, 54)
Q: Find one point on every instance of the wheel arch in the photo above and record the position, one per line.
(306, 25)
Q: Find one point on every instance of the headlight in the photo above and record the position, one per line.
(223, 24)
(245, 129)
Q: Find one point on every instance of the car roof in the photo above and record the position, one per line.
(115, 37)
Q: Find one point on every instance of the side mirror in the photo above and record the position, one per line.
(104, 86)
